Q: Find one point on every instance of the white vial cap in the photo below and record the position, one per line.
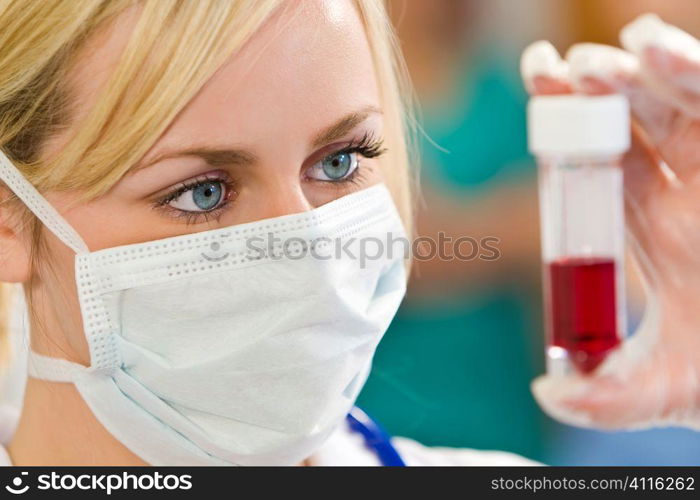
(574, 124)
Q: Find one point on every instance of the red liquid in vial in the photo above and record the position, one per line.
(583, 309)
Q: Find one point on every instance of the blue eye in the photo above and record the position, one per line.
(201, 197)
(334, 167)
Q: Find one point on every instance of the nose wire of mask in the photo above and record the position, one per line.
(242, 345)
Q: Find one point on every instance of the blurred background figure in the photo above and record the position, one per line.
(455, 366)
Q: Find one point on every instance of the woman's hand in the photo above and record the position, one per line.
(654, 378)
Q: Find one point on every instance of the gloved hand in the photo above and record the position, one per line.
(653, 379)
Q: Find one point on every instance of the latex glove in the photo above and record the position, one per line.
(653, 379)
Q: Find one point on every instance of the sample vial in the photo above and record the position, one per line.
(579, 142)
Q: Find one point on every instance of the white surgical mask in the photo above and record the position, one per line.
(204, 351)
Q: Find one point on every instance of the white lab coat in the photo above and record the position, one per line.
(343, 448)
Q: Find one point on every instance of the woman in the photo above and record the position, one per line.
(178, 175)
(186, 154)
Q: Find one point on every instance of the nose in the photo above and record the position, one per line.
(284, 199)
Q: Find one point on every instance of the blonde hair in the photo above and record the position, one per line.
(174, 49)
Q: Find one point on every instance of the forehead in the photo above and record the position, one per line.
(309, 64)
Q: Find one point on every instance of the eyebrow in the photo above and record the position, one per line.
(343, 126)
(219, 157)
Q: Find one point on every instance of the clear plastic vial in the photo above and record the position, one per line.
(579, 142)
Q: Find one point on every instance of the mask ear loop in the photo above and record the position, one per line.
(53, 369)
(35, 202)
(40, 366)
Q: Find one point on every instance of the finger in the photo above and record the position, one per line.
(680, 73)
(601, 69)
(670, 60)
(550, 392)
(670, 66)
(543, 70)
(611, 403)
(646, 171)
(602, 402)
(682, 152)
(643, 181)
(650, 30)
(562, 402)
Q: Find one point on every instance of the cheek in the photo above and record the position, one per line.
(118, 219)
(55, 269)
(376, 171)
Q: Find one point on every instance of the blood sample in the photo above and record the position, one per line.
(583, 309)
(579, 142)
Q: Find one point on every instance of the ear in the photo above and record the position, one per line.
(14, 249)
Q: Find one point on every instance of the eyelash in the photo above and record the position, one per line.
(189, 185)
(367, 146)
